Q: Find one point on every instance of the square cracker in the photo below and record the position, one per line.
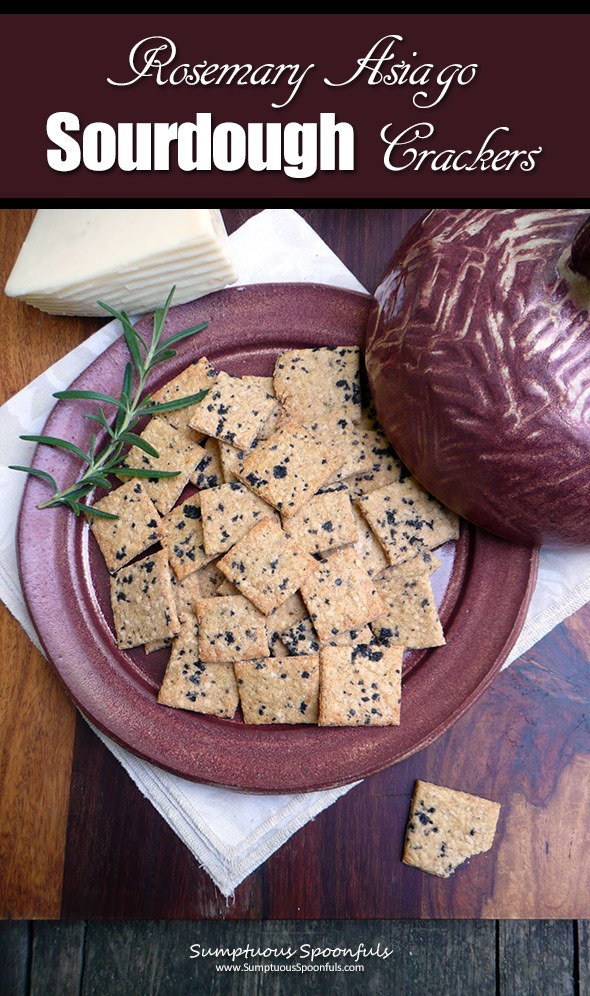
(411, 620)
(234, 410)
(172, 458)
(338, 433)
(405, 518)
(181, 534)
(288, 468)
(267, 565)
(340, 595)
(142, 597)
(229, 512)
(135, 529)
(360, 686)
(199, 376)
(279, 690)
(230, 629)
(190, 683)
(311, 382)
(325, 522)
(445, 827)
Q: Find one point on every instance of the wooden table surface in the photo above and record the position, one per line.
(78, 841)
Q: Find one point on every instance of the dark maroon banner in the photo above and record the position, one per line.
(295, 106)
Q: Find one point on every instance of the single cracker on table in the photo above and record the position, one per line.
(446, 826)
(405, 519)
(142, 598)
(172, 458)
(313, 381)
(135, 529)
(288, 468)
(234, 410)
(230, 629)
(360, 686)
(267, 565)
(340, 595)
(279, 689)
(325, 522)
(190, 683)
(181, 534)
(229, 511)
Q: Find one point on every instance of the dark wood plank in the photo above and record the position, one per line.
(15, 952)
(57, 958)
(536, 956)
(145, 959)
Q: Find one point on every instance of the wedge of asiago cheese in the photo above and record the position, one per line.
(126, 257)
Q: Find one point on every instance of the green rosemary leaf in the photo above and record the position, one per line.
(99, 481)
(142, 444)
(178, 336)
(171, 406)
(88, 396)
(145, 472)
(102, 419)
(165, 354)
(59, 443)
(131, 338)
(98, 513)
(37, 473)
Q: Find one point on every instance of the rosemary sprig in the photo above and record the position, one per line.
(130, 408)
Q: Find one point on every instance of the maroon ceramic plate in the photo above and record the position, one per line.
(67, 592)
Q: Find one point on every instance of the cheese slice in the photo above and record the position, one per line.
(129, 258)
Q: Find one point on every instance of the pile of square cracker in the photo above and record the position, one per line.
(288, 565)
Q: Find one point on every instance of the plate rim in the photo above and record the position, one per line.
(257, 785)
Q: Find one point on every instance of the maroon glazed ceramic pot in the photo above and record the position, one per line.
(478, 359)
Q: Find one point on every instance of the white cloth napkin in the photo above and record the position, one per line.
(231, 833)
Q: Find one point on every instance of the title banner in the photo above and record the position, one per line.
(295, 105)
